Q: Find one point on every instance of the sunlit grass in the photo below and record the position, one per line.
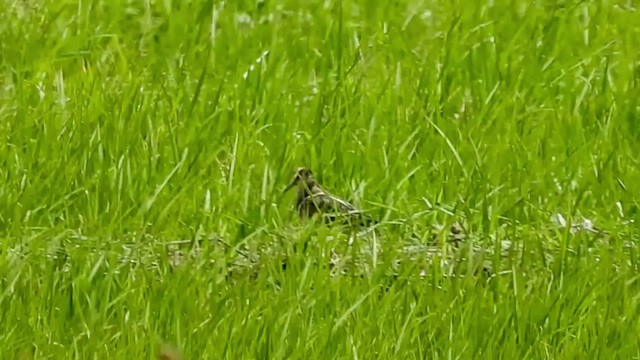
(145, 146)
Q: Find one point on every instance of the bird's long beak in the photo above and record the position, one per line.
(293, 183)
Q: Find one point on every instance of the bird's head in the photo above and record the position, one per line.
(303, 178)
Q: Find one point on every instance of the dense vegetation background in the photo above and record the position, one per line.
(145, 145)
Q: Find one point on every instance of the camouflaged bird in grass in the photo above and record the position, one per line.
(312, 199)
(167, 352)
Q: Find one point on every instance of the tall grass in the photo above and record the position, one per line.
(128, 126)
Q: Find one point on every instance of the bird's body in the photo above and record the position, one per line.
(313, 200)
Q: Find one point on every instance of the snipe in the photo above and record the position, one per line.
(312, 199)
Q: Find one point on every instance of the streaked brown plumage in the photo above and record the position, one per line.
(312, 199)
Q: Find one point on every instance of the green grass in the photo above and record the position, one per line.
(128, 125)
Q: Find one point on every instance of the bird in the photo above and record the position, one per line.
(312, 200)
(167, 352)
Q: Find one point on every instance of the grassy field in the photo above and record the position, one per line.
(144, 147)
